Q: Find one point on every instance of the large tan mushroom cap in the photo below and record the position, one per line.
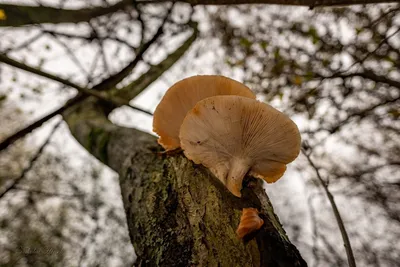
(182, 97)
(233, 135)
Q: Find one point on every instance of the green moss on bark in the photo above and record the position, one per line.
(97, 142)
(177, 207)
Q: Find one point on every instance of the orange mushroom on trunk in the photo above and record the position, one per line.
(234, 136)
(183, 96)
(249, 222)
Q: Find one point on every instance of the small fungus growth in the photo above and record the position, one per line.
(249, 222)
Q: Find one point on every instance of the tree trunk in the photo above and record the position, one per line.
(179, 214)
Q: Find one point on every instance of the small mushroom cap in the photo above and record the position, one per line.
(249, 222)
(182, 97)
(233, 136)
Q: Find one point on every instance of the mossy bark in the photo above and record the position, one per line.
(20, 15)
(179, 214)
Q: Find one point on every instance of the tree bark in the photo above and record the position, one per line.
(178, 213)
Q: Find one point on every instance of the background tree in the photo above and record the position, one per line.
(52, 211)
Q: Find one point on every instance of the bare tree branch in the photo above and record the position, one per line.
(359, 114)
(367, 74)
(309, 3)
(48, 194)
(26, 130)
(133, 89)
(25, 43)
(70, 54)
(91, 37)
(107, 84)
(20, 15)
(116, 101)
(345, 237)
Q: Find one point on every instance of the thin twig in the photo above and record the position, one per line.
(345, 237)
(55, 229)
(70, 54)
(24, 44)
(93, 66)
(93, 233)
(102, 49)
(141, 22)
(314, 227)
(365, 56)
(16, 181)
(91, 37)
(28, 15)
(45, 193)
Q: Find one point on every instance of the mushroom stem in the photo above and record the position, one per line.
(237, 171)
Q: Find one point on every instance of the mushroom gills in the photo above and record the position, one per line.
(245, 135)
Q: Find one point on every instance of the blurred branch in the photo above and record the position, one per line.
(24, 131)
(53, 228)
(20, 15)
(367, 74)
(360, 113)
(116, 101)
(369, 169)
(48, 194)
(314, 227)
(388, 12)
(309, 3)
(127, 70)
(91, 238)
(345, 237)
(335, 255)
(70, 54)
(141, 22)
(373, 52)
(17, 180)
(90, 38)
(133, 89)
(107, 84)
(24, 44)
(104, 57)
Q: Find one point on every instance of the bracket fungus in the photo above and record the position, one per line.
(234, 135)
(183, 96)
(249, 222)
